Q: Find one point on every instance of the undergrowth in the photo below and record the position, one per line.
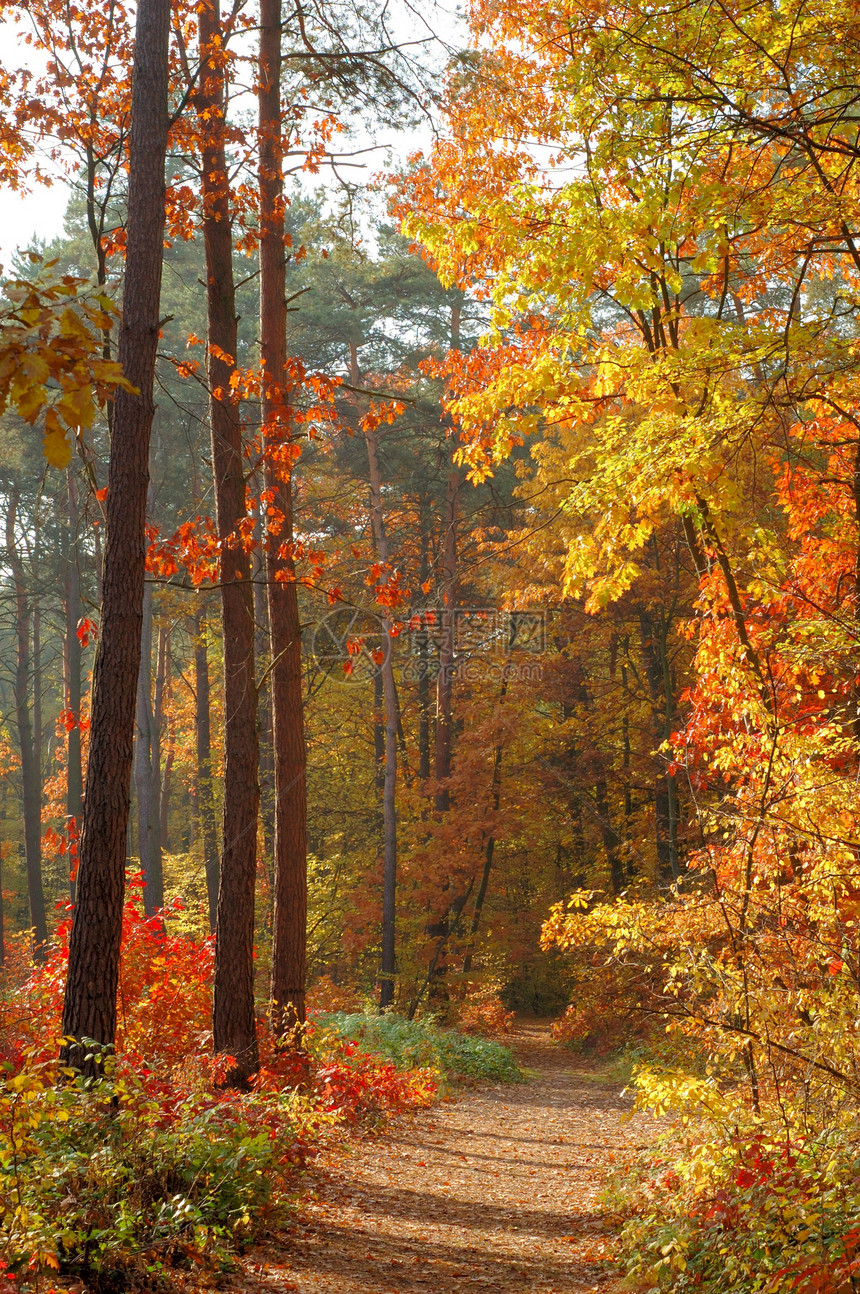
(416, 1044)
(156, 1169)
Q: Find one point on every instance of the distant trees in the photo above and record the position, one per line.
(408, 798)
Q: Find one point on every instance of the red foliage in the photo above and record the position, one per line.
(164, 1038)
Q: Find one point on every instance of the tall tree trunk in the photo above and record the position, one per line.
(445, 680)
(378, 735)
(262, 656)
(90, 1000)
(147, 771)
(233, 1023)
(166, 784)
(203, 742)
(655, 656)
(162, 682)
(610, 837)
(440, 929)
(74, 762)
(37, 692)
(388, 966)
(490, 843)
(30, 779)
(2, 921)
(289, 944)
(424, 656)
(625, 760)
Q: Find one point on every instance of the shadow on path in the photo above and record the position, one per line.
(499, 1190)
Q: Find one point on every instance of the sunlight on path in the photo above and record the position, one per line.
(495, 1191)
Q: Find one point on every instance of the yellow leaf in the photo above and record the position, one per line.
(56, 448)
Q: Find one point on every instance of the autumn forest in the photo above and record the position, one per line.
(429, 624)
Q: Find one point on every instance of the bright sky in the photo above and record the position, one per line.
(39, 213)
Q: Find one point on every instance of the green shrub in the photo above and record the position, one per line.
(115, 1182)
(745, 1207)
(411, 1044)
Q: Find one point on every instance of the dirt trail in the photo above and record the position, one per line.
(497, 1190)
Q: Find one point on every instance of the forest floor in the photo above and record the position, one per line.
(495, 1189)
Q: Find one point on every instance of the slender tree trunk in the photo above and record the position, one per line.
(625, 765)
(162, 681)
(233, 1022)
(490, 844)
(654, 653)
(37, 693)
(30, 780)
(2, 921)
(166, 786)
(445, 680)
(424, 658)
(262, 656)
(147, 771)
(289, 945)
(205, 804)
(611, 839)
(388, 967)
(99, 563)
(90, 1000)
(440, 929)
(74, 761)
(378, 735)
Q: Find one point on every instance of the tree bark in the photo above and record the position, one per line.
(2, 921)
(162, 658)
(445, 680)
(610, 837)
(147, 770)
(424, 656)
(233, 1022)
(262, 656)
(388, 967)
(74, 761)
(203, 742)
(490, 844)
(30, 779)
(90, 999)
(655, 657)
(289, 943)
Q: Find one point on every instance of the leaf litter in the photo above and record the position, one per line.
(499, 1189)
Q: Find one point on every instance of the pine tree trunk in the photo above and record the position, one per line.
(147, 771)
(445, 680)
(2, 918)
(378, 735)
(388, 966)
(233, 1022)
(30, 779)
(203, 742)
(166, 786)
(37, 689)
(490, 843)
(262, 656)
(439, 928)
(158, 772)
(90, 1000)
(289, 945)
(424, 656)
(74, 763)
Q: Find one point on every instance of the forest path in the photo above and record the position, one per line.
(496, 1190)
